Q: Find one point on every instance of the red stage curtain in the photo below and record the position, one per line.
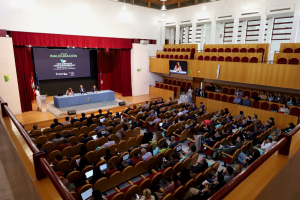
(58, 40)
(116, 70)
(23, 59)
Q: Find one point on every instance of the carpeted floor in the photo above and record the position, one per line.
(60, 112)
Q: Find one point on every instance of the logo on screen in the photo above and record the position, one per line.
(62, 61)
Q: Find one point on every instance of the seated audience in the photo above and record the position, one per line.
(263, 96)
(170, 188)
(218, 89)
(86, 138)
(200, 166)
(134, 124)
(73, 120)
(64, 145)
(145, 154)
(173, 142)
(237, 100)
(98, 128)
(238, 92)
(97, 195)
(134, 160)
(111, 169)
(55, 123)
(238, 169)
(34, 128)
(284, 109)
(228, 174)
(57, 137)
(246, 102)
(83, 162)
(117, 116)
(97, 174)
(211, 87)
(127, 109)
(240, 115)
(271, 97)
(192, 151)
(203, 94)
(158, 137)
(163, 147)
(122, 133)
(280, 98)
(174, 158)
(100, 114)
(109, 142)
(70, 186)
(82, 118)
(66, 122)
(146, 195)
(156, 119)
(267, 144)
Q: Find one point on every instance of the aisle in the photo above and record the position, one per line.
(5, 190)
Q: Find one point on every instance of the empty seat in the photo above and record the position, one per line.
(235, 50)
(236, 59)
(243, 50)
(282, 61)
(200, 57)
(220, 58)
(220, 50)
(162, 56)
(228, 50)
(206, 58)
(293, 61)
(167, 56)
(171, 56)
(214, 50)
(213, 58)
(245, 59)
(288, 50)
(228, 59)
(253, 60)
(186, 57)
(207, 50)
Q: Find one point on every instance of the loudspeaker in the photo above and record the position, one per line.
(122, 103)
(71, 112)
(60, 94)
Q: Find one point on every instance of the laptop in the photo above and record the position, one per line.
(102, 119)
(94, 137)
(161, 124)
(89, 175)
(125, 157)
(103, 132)
(87, 194)
(103, 168)
(179, 148)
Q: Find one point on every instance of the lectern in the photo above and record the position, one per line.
(43, 103)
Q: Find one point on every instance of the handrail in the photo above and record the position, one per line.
(283, 147)
(40, 162)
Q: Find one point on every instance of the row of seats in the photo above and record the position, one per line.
(286, 58)
(181, 55)
(229, 57)
(264, 105)
(182, 83)
(180, 48)
(290, 47)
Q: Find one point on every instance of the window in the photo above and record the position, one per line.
(187, 34)
(198, 34)
(228, 32)
(252, 31)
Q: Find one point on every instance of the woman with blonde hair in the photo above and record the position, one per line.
(238, 169)
(146, 195)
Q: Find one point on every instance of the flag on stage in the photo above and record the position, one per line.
(32, 87)
(37, 81)
(101, 82)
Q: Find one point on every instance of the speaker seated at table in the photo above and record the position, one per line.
(94, 89)
(81, 89)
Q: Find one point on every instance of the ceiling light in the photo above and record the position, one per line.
(164, 14)
(163, 8)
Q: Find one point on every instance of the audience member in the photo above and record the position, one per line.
(267, 144)
(70, 186)
(174, 158)
(246, 102)
(200, 166)
(82, 117)
(240, 115)
(280, 98)
(111, 169)
(263, 96)
(238, 92)
(211, 88)
(146, 195)
(271, 97)
(97, 174)
(55, 123)
(98, 128)
(73, 120)
(34, 128)
(64, 145)
(163, 147)
(173, 142)
(284, 109)
(57, 137)
(228, 174)
(145, 154)
(238, 169)
(158, 137)
(237, 100)
(197, 91)
(66, 122)
(109, 142)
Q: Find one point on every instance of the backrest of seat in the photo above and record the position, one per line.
(91, 156)
(63, 166)
(167, 173)
(127, 173)
(84, 188)
(101, 184)
(178, 193)
(139, 168)
(131, 192)
(68, 151)
(91, 145)
(114, 159)
(114, 179)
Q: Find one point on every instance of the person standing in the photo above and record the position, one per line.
(190, 94)
(38, 98)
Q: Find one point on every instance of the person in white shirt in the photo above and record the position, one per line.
(284, 109)
(180, 112)
(38, 98)
(146, 195)
(267, 144)
(66, 122)
(145, 154)
(109, 142)
(190, 94)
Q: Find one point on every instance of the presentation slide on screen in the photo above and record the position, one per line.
(178, 67)
(61, 63)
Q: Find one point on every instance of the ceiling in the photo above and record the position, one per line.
(170, 4)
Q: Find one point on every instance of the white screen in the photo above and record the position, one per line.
(178, 148)
(94, 137)
(160, 124)
(125, 157)
(87, 194)
(102, 119)
(103, 167)
(89, 174)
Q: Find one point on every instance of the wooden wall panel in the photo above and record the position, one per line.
(276, 75)
(281, 120)
(165, 94)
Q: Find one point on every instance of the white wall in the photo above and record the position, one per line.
(9, 91)
(80, 17)
(140, 60)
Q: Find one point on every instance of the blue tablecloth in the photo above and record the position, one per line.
(79, 99)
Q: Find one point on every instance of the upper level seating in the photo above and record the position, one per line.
(183, 83)
(287, 58)
(239, 48)
(192, 48)
(173, 55)
(229, 57)
(290, 47)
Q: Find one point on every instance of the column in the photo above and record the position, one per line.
(244, 31)
(194, 32)
(177, 34)
(159, 32)
(235, 30)
(186, 40)
(172, 38)
(295, 27)
(262, 28)
(270, 30)
(163, 33)
(202, 36)
(212, 31)
(221, 37)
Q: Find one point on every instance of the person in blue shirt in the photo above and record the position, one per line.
(201, 105)
(197, 91)
(237, 100)
(246, 102)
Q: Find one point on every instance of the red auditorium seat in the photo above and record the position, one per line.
(188, 50)
(200, 57)
(220, 58)
(228, 59)
(235, 50)
(181, 57)
(211, 96)
(225, 90)
(230, 99)
(178, 49)
(231, 91)
(171, 56)
(186, 57)
(227, 50)
(293, 61)
(179, 83)
(247, 93)
(264, 106)
(174, 82)
(188, 85)
(282, 61)
(161, 86)
(167, 56)
(169, 49)
(236, 59)
(193, 52)
(255, 104)
(165, 81)
(183, 85)
(170, 82)
(175, 90)
(245, 60)
(288, 50)
(260, 50)
(206, 58)
(213, 50)
(218, 97)
(176, 57)
(295, 111)
(253, 60)
(162, 56)
(224, 98)
(170, 87)
(251, 50)
(157, 84)
(157, 56)
(274, 107)
(166, 87)
(254, 94)
(297, 50)
(207, 50)
(243, 50)
(182, 50)
(165, 49)
(220, 50)
(213, 58)
(173, 50)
